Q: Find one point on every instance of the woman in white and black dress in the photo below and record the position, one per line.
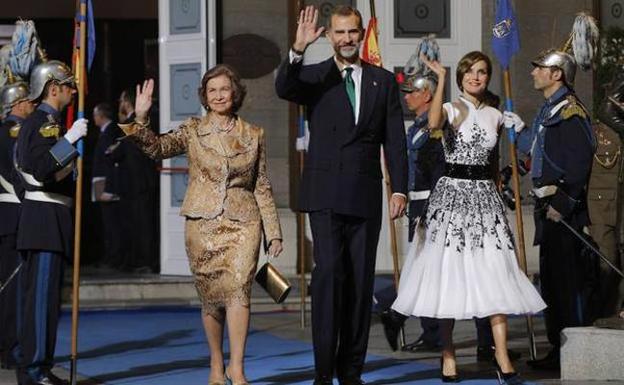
(464, 265)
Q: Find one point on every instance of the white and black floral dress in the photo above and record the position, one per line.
(465, 265)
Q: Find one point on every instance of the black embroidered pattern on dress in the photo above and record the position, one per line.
(468, 212)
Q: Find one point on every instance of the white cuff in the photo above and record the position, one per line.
(293, 57)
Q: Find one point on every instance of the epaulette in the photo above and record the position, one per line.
(436, 134)
(49, 130)
(14, 131)
(573, 108)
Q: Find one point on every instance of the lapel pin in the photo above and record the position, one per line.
(374, 83)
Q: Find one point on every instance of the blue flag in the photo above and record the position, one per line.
(90, 35)
(505, 36)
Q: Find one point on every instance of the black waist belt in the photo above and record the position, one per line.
(467, 171)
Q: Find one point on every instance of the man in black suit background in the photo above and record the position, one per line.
(353, 109)
(105, 186)
(138, 185)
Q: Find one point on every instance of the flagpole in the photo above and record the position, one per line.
(301, 233)
(515, 177)
(301, 217)
(505, 43)
(80, 82)
(394, 249)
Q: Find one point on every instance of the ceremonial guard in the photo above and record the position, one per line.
(14, 99)
(561, 144)
(45, 159)
(606, 205)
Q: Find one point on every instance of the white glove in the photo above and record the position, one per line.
(77, 131)
(512, 120)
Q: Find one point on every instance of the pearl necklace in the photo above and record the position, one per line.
(218, 127)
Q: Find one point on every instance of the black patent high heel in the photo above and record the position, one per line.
(512, 378)
(452, 378)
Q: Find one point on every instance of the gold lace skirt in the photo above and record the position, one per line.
(223, 255)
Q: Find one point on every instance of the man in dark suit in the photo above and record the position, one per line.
(105, 186)
(353, 109)
(138, 190)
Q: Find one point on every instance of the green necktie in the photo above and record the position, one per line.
(350, 86)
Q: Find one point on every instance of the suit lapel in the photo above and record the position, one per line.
(368, 96)
(333, 78)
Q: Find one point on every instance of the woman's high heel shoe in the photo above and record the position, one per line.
(228, 380)
(445, 378)
(512, 378)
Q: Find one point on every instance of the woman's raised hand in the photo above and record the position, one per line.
(434, 66)
(143, 99)
(307, 28)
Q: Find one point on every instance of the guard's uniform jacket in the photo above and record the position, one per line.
(606, 211)
(11, 192)
(44, 238)
(45, 161)
(425, 166)
(562, 144)
(11, 189)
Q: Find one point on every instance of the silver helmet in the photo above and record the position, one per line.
(13, 93)
(558, 59)
(418, 81)
(52, 70)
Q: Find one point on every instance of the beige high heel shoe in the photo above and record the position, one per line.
(228, 380)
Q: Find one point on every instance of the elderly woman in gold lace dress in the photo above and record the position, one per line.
(227, 205)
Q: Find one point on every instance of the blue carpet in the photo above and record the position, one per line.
(168, 347)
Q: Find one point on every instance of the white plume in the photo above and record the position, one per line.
(584, 40)
(5, 51)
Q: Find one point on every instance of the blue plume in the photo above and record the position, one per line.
(430, 48)
(24, 53)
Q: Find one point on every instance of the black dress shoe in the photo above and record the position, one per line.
(392, 323)
(550, 362)
(55, 380)
(48, 379)
(43, 381)
(486, 354)
(420, 345)
(351, 381)
(323, 381)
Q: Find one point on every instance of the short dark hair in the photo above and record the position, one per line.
(238, 89)
(128, 95)
(345, 11)
(105, 110)
(46, 90)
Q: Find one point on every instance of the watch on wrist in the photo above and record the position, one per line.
(296, 51)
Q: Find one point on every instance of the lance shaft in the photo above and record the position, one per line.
(80, 70)
(391, 224)
(515, 177)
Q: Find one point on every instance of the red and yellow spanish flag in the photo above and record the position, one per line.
(371, 52)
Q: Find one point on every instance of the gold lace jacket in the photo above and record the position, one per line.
(227, 172)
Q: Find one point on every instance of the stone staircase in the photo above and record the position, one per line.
(592, 354)
(131, 291)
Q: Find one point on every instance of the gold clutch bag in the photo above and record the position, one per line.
(273, 282)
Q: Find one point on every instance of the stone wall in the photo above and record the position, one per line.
(267, 19)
